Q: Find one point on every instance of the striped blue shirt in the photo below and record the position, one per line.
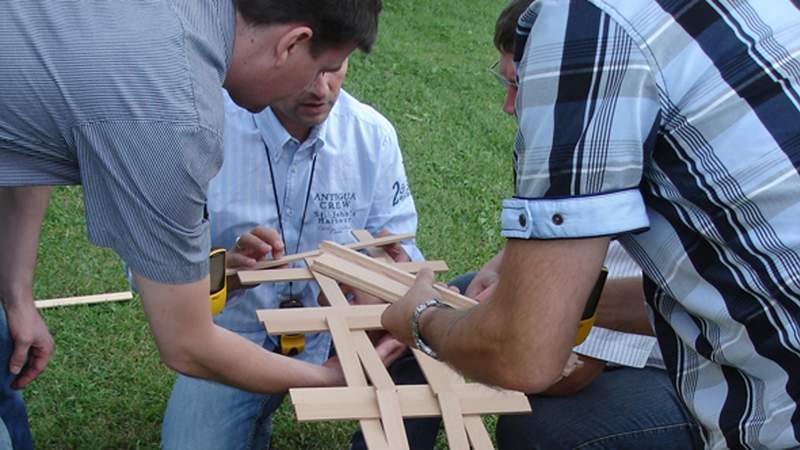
(124, 98)
(359, 182)
(676, 125)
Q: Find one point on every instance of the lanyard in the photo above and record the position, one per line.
(278, 204)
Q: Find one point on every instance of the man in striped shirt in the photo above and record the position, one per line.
(675, 126)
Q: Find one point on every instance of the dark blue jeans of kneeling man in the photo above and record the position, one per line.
(623, 408)
(14, 430)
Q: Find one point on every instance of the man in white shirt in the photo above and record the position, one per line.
(312, 167)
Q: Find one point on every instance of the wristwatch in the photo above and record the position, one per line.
(415, 333)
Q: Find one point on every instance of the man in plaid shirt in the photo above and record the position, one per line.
(673, 126)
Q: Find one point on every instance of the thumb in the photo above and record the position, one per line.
(424, 278)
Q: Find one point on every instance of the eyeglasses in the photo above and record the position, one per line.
(504, 82)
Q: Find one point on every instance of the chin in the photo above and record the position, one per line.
(244, 103)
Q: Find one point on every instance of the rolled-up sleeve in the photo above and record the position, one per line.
(588, 112)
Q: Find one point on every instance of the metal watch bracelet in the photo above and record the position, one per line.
(415, 331)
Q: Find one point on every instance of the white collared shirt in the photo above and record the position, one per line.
(359, 182)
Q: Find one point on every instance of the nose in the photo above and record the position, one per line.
(320, 85)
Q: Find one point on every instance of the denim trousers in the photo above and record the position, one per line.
(623, 408)
(205, 415)
(14, 429)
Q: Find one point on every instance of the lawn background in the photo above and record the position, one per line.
(105, 386)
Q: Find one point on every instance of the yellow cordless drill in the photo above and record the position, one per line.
(219, 282)
(590, 312)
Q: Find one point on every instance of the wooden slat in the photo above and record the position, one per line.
(313, 320)
(346, 351)
(299, 256)
(416, 401)
(440, 376)
(477, 434)
(446, 295)
(374, 252)
(84, 300)
(373, 365)
(392, 418)
(374, 434)
(452, 417)
(253, 277)
(357, 277)
(330, 289)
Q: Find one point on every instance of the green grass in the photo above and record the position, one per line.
(105, 386)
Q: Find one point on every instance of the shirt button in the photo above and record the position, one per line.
(522, 220)
(294, 169)
(289, 212)
(558, 219)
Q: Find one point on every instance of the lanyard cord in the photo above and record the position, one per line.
(278, 204)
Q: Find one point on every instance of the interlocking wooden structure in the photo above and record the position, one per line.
(371, 397)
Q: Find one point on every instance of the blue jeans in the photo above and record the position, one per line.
(14, 428)
(623, 408)
(203, 414)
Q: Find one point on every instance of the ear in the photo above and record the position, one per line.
(297, 37)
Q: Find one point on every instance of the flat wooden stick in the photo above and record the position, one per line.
(373, 365)
(448, 296)
(375, 252)
(360, 278)
(477, 434)
(392, 418)
(386, 240)
(453, 420)
(314, 320)
(374, 434)
(253, 277)
(352, 403)
(84, 300)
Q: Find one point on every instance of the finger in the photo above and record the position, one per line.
(424, 278)
(237, 260)
(475, 287)
(21, 347)
(486, 293)
(395, 251)
(454, 289)
(36, 365)
(252, 245)
(271, 237)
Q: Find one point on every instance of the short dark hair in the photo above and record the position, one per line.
(506, 26)
(334, 22)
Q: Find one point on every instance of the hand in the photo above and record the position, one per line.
(389, 349)
(483, 285)
(397, 317)
(33, 343)
(395, 251)
(360, 297)
(254, 246)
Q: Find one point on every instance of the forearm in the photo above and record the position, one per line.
(522, 335)
(233, 360)
(21, 214)
(622, 307)
(190, 343)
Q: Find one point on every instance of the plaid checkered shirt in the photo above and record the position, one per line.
(675, 125)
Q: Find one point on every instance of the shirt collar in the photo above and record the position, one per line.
(276, 137)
